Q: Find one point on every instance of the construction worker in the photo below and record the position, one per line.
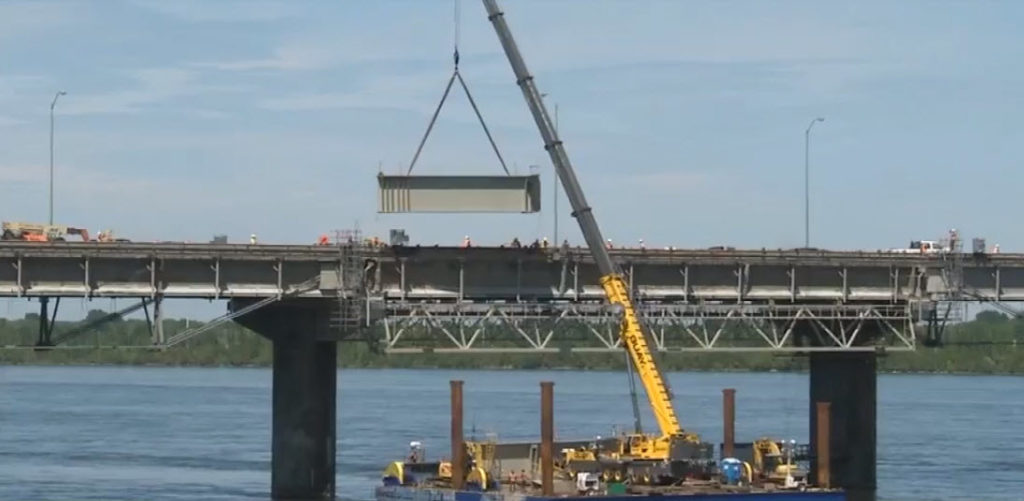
(465, 242)
(415, 452)
(323, 240)
(609, 243)
(252, 239)
(544, 243)
(516, 243)
(642, 244)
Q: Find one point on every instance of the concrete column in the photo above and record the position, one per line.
(158, 320)
(44, 322)
(847, 381)
(304, 405)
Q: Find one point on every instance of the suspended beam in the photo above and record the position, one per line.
(453, 194)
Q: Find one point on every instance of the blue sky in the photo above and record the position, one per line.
(685, 120)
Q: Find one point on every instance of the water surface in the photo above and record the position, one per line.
(190, 433)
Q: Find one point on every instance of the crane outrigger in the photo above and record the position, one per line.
(681, 451)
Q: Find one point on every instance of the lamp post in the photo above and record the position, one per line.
(807, 181)
(52, 105)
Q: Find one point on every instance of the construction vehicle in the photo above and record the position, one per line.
(775, 462)
(108, 236)
(923, 247)
(38, 232)
(946, 245)
(34, 232)
(674, 453)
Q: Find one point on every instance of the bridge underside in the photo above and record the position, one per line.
(567, 327)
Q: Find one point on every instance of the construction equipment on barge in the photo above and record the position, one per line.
(489, 470)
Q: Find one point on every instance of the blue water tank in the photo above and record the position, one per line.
(732, 470)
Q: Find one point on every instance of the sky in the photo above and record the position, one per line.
(685, 121)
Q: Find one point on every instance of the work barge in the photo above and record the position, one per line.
(488, 470)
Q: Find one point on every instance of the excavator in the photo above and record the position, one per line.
(674, 453)
(776, 463)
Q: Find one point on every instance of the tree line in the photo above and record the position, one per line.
(989, 344)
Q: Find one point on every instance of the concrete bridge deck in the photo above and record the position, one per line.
(494, 274)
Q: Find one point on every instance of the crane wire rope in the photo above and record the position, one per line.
(469, 96)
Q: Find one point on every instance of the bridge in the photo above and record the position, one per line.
(458, 300)
(840, 308)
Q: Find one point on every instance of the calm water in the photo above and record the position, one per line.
(169, 434)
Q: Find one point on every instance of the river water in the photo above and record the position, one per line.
(188, 433)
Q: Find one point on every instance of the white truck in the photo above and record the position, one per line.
(949, 244)
(924, 247)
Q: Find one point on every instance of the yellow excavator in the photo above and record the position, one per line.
(775, 463)
(674, 452)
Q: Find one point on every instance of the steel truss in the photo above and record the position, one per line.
(593, 327)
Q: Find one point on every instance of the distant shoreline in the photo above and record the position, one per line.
(992, 344)
(9, 363)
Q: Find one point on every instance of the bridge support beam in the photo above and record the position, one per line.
(46, 321)
(304, 398)
(848, 381)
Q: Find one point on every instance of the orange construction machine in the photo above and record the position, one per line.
(32, 232)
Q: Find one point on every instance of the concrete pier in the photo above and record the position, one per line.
(304, 402)
(848, 382)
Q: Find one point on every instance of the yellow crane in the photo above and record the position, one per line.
(673, 443)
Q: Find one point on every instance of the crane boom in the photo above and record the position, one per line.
(615, 288)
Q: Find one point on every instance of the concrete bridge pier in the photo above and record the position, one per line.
(304, 403)
(847, 380)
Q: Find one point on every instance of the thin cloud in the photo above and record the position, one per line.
(88, 183)
(24, 19)
(202, 11)
(287, 58)
(153, 86)
(669, 181)
(9, 121)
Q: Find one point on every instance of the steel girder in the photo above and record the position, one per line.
(410, 327)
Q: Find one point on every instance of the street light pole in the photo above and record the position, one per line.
(52, 105)
(807, 181)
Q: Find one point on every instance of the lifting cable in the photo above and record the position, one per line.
(444, 97)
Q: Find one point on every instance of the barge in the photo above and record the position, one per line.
(405, 493)
(489, 470)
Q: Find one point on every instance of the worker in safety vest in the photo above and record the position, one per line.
(323, 240)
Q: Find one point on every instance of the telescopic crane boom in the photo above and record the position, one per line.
(611, 277)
